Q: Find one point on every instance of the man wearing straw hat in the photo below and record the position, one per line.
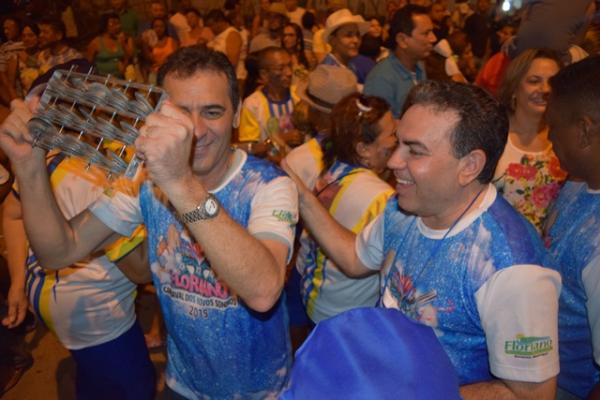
(343, 32)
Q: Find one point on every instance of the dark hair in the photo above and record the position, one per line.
(16, 20)
(192, 10)
(299, 48)
(105, 18)
(230, 5)
(216, 15)
(55, 23)
(264, 56)
(402, 22)
(516, 71)
(308, 20)
(577, 89)
(186, 61)
(482, 124)
(350, 126)
(458, 41)
(31, 25)
(252, 64)
(370, 46)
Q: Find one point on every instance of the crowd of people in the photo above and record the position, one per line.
(316, 166)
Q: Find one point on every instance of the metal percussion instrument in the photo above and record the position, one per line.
(78, 113)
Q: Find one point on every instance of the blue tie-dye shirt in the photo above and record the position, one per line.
(573, 238)
(217, 347)
(458, 283)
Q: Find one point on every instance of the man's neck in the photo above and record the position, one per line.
(468, 200)
(341, 59)
(276, 93)
(216, 176)
(407, 61)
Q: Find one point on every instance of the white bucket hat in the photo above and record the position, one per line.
(326, 86)
(343, 17)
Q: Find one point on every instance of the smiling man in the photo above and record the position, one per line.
(343, 32)
(266, 119)
(220, 231)
(453, 254)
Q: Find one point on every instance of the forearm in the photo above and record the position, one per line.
(135, 265)
(336, 241)
(257, 279)
(49, 233)
(16, 244)
(509, 390)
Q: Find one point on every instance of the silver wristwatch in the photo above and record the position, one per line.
(207, 209)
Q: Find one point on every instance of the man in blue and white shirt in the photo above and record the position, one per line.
(220, 229)
(453, 254)
(573, 225)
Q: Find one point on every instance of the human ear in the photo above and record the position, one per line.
(586, 131)
(364, 152)
(401, 40)
(470, 166)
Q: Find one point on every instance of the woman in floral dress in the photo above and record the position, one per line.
(528, 173)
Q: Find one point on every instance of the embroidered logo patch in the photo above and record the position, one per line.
(528, 346)
(284, 216)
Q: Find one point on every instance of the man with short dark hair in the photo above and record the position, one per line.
(411, 40)
(453, 254)
(573, 226)
(54, 49)
(220, 229)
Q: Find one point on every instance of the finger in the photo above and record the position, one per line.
(33, 103)
(168, 123)
(17, 104)
(172, 111)
(21, 313)
(16, 130)
(11, 317)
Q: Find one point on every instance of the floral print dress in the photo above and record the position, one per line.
(530, 181)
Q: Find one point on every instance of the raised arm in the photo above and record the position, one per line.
(337, 241)
(253, 268)
(56, 241)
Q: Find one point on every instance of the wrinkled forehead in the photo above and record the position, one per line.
(202, 88)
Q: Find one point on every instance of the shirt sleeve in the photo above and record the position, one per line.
(591, 284)
(249, 127)
(274, 212)
(118, 211)
(369, 244)
(518, 307)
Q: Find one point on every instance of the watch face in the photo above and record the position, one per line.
(211, 207)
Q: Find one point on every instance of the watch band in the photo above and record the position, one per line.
(207, 209)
